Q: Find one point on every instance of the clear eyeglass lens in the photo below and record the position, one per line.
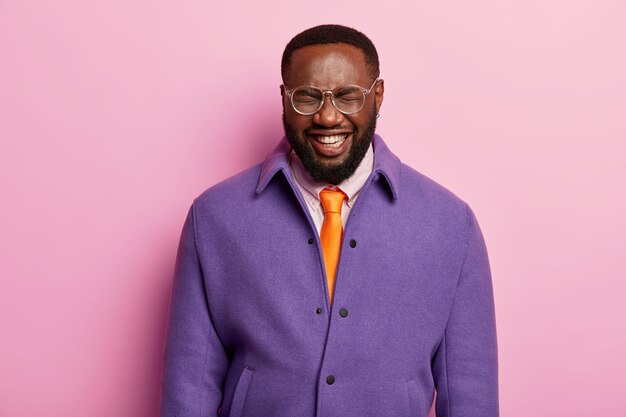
(347, 99)
(306, 99)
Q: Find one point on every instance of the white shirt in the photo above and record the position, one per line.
(310, 189)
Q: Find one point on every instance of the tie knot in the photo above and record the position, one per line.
(332, 200)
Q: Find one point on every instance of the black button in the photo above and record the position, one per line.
(311, 241)
(318, 311)
(330, 380)
(343, 312)
(352, 243)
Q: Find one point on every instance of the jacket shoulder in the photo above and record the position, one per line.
(434, 201)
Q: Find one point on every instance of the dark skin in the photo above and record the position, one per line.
(328, 67)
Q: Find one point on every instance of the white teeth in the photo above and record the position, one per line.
(333, 141)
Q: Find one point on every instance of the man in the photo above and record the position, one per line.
(331, 279)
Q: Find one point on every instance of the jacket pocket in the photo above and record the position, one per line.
(415, 399)
(241, 390)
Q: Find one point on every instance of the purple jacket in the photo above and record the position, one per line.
(250, 329)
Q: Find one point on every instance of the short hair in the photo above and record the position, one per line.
(329, 34)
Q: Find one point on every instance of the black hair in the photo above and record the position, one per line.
(327, 34)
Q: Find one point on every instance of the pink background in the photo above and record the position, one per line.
(114, 115)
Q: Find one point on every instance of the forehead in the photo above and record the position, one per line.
(327, 66)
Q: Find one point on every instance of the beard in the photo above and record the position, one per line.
(333, 174)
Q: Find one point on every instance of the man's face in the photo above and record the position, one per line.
(330, 144)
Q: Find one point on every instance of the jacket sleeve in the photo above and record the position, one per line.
(465, 367)
(194, 360)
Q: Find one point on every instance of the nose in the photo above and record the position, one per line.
(328, 115)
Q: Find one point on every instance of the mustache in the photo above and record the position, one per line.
(336, 127)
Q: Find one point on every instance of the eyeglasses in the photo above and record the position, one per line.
(348, 99)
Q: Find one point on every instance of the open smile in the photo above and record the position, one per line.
(329, 144)
(333, 141)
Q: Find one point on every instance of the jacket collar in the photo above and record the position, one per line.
(385, 163)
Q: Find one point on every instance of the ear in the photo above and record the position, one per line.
(379, 92)
(282, 95)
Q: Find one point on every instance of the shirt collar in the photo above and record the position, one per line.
(386, 164)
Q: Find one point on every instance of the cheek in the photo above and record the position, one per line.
(297, 122)
(358, 123)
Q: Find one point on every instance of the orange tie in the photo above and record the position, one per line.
(331, 234)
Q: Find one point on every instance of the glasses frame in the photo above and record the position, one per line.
(324, 93)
